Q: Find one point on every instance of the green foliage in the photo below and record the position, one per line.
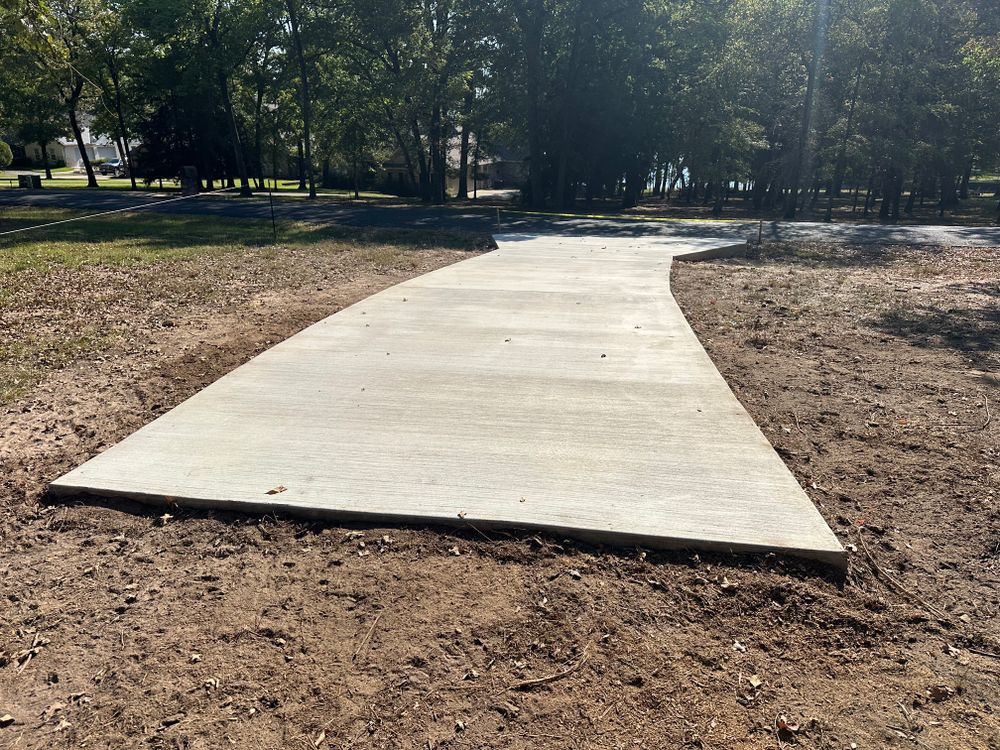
(6, 156)
(599, 97)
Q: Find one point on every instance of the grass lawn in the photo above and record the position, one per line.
(57, 284)
(9, 180)
(143, 237)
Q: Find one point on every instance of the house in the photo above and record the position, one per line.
(66, 151)
(500, 168)
(497, 168)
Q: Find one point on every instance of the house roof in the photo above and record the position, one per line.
(88, 139)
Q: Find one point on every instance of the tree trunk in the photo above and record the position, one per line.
(425, 179)
(634, 180)
(949, 197)
(258, 140)
(819, 32)
(303, 92)
(463, 151)
(913, 194)
(838, 171)
(302, 165)
(122, 131)
(658, 180)
(78, 134)
(234, 136)
(438, 163)
(531, 24)
(45, 160)
(963, 188)
(561, 188)
(868, 195)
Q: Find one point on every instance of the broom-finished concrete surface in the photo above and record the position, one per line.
(553, 383)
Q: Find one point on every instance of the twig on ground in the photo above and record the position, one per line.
(909, 734)
(528, 684)
(986, 402)
(983, 653)
(367, 636)
(484, 536)
(888, 578)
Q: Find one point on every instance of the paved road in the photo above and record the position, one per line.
(484, 219)
(551, 384)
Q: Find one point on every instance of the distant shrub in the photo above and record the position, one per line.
(6, 155)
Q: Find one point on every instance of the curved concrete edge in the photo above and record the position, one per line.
(834, 558)
(736, 250)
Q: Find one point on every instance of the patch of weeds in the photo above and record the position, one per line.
(24, 363)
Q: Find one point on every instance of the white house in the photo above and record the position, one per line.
(66, 150)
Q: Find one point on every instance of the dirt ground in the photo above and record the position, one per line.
(872, 371)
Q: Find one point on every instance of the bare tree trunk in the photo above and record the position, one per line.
(531, 22)
(302, 166)
(234, 136)
(45, 160)
(78, 134)
(425, 178)
(463, 152)
(122, 131)
(963, 188)
(304, 93)
(819, 32)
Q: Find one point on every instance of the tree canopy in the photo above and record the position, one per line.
(779, 99)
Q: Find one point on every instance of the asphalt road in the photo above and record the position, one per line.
(485, 220)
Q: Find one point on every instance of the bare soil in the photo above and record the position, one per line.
(871, 370)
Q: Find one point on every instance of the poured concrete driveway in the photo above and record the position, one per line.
(551, 384)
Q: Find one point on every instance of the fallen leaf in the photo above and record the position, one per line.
(171, 720)
(319, 738)
(6, 720)
(784, 725)
(755, 681)
(52, 709)
(277, 490)
(938, 693)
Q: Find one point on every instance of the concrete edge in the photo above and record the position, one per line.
(836, 559)
(734, 250)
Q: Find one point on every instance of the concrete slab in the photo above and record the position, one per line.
(551, 384)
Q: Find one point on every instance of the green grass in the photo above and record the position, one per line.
(19, 361)
(138, 238)
(119, 239)
(123, 183)
(51, 291)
